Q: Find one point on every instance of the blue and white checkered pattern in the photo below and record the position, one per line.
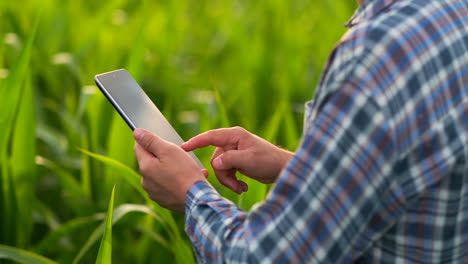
(381, 175)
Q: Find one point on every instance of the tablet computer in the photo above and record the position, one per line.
(135, 107)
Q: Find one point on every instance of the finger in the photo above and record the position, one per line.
(218, 173)
(142, 154)
(238, 159)
(146, 160)
(216, 153)
(228, 178)
(245, 186)
(217, 137)
(149, 141)
(205, 173)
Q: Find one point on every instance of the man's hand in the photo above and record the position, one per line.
(240, 150)
(167, 170)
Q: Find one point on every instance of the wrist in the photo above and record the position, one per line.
(192, 182)
(284, 156)
(185, 188)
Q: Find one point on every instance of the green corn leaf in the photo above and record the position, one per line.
(120, 148)
(105, 250)
(23, 166)
(131, 176)
(135, 63)
(22, 256)
(9, 209)
(291, 133)
(12, 88)
(155, 236)
(118, 214)
(67, 229)
(183, 252)
(222, 107)
(97, 108)
(86, 170)
(78, 199)
(271, 130)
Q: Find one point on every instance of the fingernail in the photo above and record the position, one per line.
(245, 187)
(183, 146)
(218, 163)
(139, 134)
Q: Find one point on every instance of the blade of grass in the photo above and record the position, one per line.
(23, 256)
(105, 249)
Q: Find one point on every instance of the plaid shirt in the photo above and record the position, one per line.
(381, 174)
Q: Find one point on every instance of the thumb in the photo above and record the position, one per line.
(147, 140)
(230, 159)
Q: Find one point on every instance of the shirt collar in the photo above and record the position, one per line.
(367, 10)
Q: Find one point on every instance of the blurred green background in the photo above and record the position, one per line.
(205, 63)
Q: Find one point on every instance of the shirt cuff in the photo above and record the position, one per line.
(200, 190)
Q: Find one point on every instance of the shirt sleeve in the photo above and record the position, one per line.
(332, 200)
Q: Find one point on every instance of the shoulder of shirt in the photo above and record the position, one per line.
(380, 28)
(368, 42)
(370, 36)
(365, 46)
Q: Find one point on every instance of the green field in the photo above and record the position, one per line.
(205, 63)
